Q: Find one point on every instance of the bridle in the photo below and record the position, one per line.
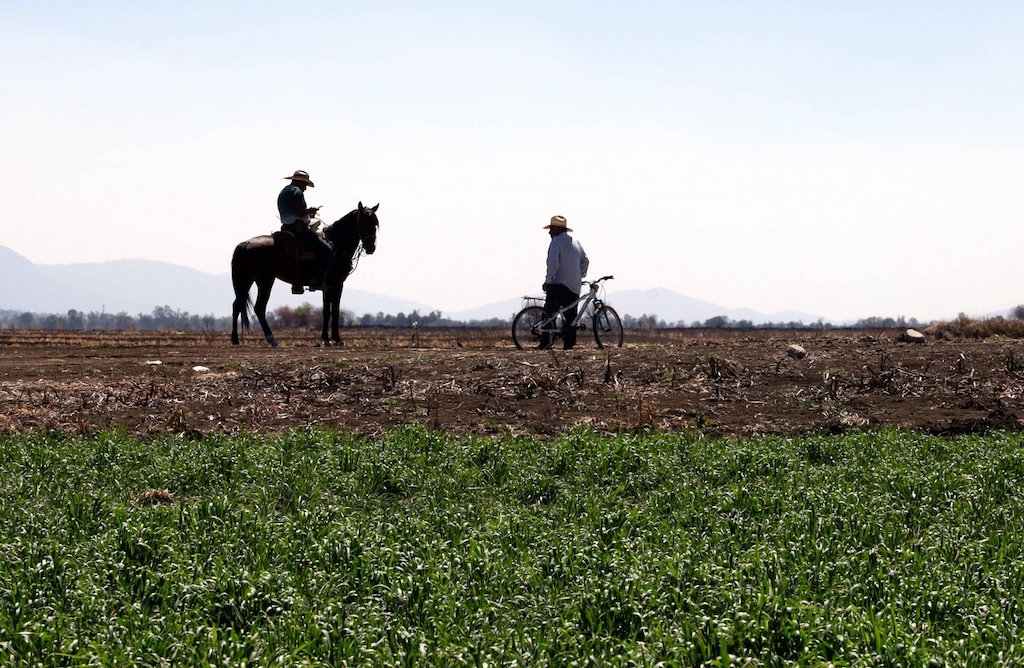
(360, 251)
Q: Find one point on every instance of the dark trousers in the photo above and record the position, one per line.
(557, 297)
(312, 241)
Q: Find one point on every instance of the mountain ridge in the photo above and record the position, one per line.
(139, 285)
(668, 305)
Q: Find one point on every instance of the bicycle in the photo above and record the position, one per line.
(531, 323)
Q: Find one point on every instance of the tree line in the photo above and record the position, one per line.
(161, 318)
(652, 321)
(307, 316)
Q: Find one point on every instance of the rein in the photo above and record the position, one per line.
(360, 251)
(356, 255)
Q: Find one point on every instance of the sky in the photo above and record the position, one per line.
(847, 159)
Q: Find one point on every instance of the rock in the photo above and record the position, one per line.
(911, 336)
(796, 352)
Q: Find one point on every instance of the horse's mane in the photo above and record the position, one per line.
(350, 218)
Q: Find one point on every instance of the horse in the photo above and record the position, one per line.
(264, 258)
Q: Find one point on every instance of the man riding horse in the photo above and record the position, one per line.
(295, 218)
(268, 257)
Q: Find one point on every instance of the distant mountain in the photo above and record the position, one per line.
(137, 286)
(670, 306)
(505, 310)
(26, 287)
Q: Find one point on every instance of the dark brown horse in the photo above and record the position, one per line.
(262, 259)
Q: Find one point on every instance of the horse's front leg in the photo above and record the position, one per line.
(336, 315)
(327, 314)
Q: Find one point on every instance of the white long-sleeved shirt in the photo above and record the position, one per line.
(567, 262)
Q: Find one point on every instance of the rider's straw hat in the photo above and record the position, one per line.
(558, 221)
(300, 175)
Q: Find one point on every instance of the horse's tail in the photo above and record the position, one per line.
(241, 283)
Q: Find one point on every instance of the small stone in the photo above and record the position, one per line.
(796, 352)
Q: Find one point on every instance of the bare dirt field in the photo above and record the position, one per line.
(460, 381)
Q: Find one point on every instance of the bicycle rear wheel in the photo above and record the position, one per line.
(525, 327)
(607, 328)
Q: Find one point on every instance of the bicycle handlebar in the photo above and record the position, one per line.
(598, 280)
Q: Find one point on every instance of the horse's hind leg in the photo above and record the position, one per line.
(235, 312)
(240, 309)
(260, 307)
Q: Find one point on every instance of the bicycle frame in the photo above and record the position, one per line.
(548, 324)
(532, 327)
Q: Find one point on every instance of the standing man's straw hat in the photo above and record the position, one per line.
(300, 176)
(558, 222)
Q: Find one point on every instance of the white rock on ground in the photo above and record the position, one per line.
(912, 336)
(796, 352)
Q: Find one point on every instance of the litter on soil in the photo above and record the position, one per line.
(475, 381)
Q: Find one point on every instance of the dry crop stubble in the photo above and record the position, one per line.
(476, 382)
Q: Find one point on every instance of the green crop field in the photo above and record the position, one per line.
(886, 548)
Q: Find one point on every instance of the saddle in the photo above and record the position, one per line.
(290, 245)
(297, 257)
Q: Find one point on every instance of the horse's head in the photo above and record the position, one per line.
(355, 227)
(366, 224)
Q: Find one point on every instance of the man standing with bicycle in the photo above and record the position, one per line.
(567, 265)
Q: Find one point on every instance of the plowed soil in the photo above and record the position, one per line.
(723, 383)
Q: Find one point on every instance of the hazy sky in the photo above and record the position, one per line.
(844, 158)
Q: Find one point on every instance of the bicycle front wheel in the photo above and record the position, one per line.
(526, 327)
(607, 327)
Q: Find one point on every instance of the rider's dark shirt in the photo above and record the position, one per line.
(291, 204)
